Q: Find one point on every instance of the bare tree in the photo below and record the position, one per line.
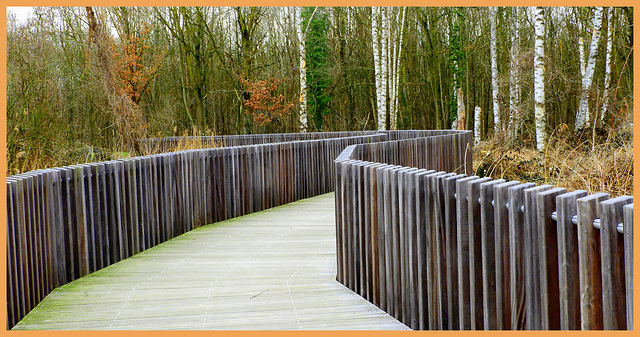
(494, 71)
(514, 83)
(583, 116)
(538, 64)
(607, 67)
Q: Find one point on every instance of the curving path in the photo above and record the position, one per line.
(271, 270)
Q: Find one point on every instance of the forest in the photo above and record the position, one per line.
(548, 91)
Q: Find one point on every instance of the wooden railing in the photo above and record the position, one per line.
(64, 223)
(441, 250)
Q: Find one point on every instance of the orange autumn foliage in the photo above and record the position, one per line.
(262, 104)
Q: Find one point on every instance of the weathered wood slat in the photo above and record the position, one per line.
(548, 253)
(476, 299)
(451, 243)
(533, 292)
(628, 259)
(487, 238)
(613, 263)
(569, 276)
(462, 235)
(517, 256)
(502, 254)
(590, 262)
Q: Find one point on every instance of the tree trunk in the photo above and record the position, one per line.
(384, 63)
(378, 58)
(494, 72)
(476, 126)
(303, 70)
(607, 67)
(583, 117)
(395, 66)
(461, 111)
(538, 65)
(514, 85)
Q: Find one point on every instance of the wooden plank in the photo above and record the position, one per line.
(462, 236)
(590, 262)
(413, 233)
(613, 263)
(434, 303)
(503, 274)
(533, 292)
(13, 292)
(487, 238)
(569, 276)
(451, 243)
(475, 254)
(103, 205)
(402, 234)
(421, 248)
(441, 249)
(548, 252)
(517, 256)
(628, 261)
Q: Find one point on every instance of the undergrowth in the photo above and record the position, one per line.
(600, 161)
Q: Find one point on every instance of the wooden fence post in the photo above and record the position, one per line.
(628, 261)
(517, 256)
(590, 262)
(548, 258)
(503, 274)
(475, 254)
(462, 220)
(569, 276)
(487, 238)
(532, 259)
(613, 263)
(451, 243)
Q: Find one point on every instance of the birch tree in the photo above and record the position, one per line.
(303, 70)
(607, 67)
(494, 71)
(386, 32)
(538, 74)
(396, 44)
(457, 65)
(583, 116)
(476, 126)
(379, 63)
(514, 74)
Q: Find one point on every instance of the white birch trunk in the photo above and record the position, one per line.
(384, 62)
(303, 70)
(538, 74)
(583, 117)
(494, 72)
(514, 83)
(582, 60)
(375, 37)
(395, 69)
(607, 67)
(476, 126)
(393, 54)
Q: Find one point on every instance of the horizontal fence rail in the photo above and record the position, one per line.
(64, 223)
(168, 144)
(441, 250)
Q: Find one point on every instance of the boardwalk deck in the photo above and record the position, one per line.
(271, 270)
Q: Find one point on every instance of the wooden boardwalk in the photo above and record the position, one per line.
(271, 270)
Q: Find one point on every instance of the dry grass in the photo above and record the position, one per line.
(572, 162)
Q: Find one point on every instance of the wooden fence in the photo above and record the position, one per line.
(442, 250)
(64, 223)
